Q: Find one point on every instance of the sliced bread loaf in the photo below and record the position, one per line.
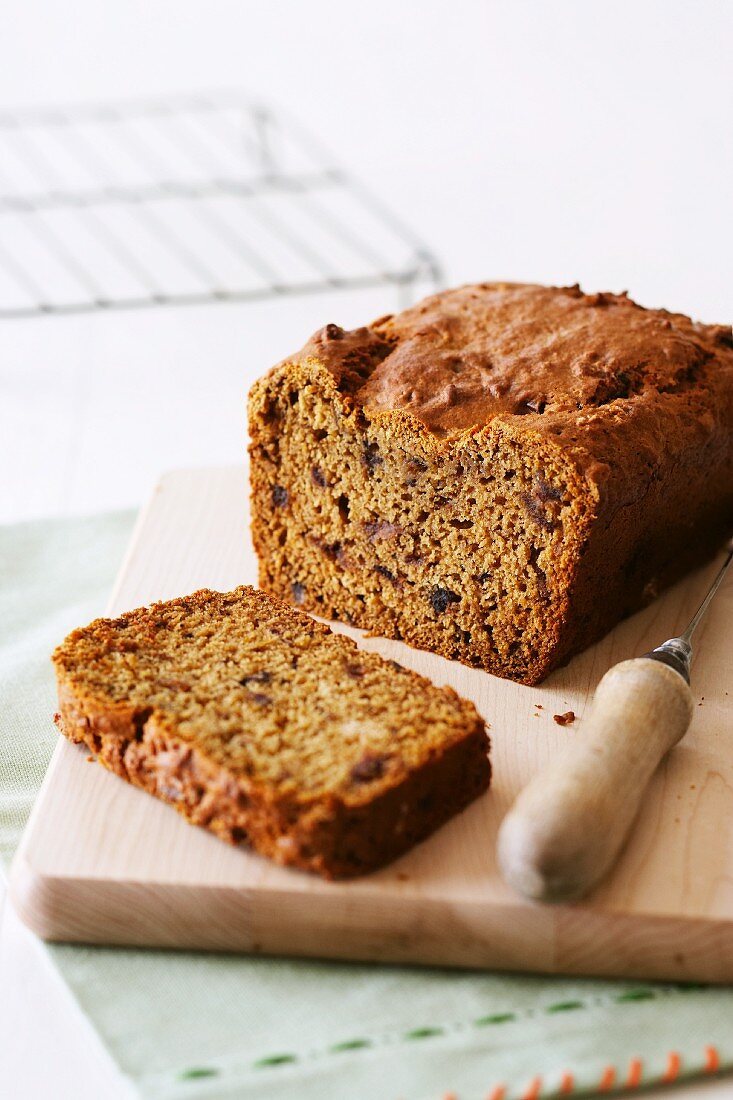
(498, 474)
(258, 723)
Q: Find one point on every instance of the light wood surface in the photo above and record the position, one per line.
(568, 825)
(102, 862)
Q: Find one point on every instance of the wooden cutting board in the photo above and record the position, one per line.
(104, 863)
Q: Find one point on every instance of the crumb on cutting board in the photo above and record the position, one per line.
(565, 719)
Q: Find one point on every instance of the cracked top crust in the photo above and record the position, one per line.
(460, 358)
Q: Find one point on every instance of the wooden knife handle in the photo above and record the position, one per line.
(568, 825)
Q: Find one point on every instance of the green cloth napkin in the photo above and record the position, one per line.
(188, 1024)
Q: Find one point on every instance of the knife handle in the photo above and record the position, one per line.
(568, 825)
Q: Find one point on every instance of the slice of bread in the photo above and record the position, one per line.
(257, 722)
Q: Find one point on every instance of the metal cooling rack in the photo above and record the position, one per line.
(191, 199)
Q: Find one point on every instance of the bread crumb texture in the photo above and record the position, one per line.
(258, 723)
(498, 474)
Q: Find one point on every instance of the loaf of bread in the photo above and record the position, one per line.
(498, 474)
(258, 723)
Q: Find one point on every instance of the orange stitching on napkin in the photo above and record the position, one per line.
(533, 1089)
(608, 1077)
(633, 1078)
(673, 1067)
(497, 1093)
(712, 1061)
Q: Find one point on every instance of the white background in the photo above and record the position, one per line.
(526, 139)
(523, 140)
(560, 142)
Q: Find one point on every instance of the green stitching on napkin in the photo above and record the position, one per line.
(196, 1072)
(275, 1060)
(639, 994)
(424, 1032)
(565, 1006)
(350, 1044)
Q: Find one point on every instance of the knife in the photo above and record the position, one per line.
(567, 827)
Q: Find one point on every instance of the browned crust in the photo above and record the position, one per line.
(461, 358)
(329, 837)
(653, 466)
